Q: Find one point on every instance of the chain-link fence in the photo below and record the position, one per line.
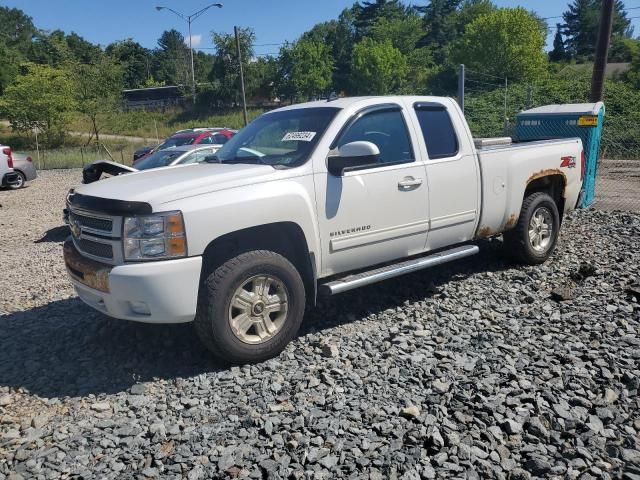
(492, 104)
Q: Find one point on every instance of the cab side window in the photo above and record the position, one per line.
(387, 130)
(437, 130)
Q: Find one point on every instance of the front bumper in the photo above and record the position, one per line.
(9, 179)
(150, 292)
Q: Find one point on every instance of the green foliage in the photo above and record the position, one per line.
(97, 90)
(508, 41)
(16, 30)
(307, 69)
(580, 27)
(633, 75)
(225, 74)
(367, 13)
(39, 99)
(403, 32)
(171, 59)
(378, 68)
(135, 61)
(559, 52)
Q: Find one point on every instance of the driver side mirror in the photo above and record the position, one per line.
(353, 156)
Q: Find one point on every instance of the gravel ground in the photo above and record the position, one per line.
(474, 370)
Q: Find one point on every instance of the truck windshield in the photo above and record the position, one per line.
(284, 138)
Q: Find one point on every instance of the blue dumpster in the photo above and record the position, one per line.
(582, 120)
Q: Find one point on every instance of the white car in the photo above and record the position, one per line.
(309, 199)
(8, 176)
(183, 155)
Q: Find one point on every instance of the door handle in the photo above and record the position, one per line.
(408, 183)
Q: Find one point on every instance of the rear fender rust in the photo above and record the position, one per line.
(548, 173)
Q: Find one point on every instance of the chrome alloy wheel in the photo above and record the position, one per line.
(258, 309)
(541, 229)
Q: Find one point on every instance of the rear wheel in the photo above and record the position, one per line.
(21, 181)
(250, 307)
(535, 236)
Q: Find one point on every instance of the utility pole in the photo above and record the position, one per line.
(602, 51)
(461, 79)
(244, 99)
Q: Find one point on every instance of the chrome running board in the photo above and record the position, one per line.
(395, 270)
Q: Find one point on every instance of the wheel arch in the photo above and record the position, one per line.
(285, 238)
(554, 183)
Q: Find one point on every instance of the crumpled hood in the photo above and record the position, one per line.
(162, 185)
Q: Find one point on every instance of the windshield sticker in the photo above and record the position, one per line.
(298, 137)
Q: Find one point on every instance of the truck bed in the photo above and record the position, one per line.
(506, 172)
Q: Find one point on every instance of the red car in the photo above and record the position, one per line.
(194, 137)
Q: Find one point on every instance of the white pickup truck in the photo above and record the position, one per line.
(316, 198)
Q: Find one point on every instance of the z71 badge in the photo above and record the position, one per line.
(568, 162)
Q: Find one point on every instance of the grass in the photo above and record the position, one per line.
(76, 157)
(152, 125)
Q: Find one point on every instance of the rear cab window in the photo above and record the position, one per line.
(437, 129)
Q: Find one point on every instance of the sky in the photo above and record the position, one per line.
(274, 21)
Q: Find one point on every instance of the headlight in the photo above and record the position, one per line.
(152, 237)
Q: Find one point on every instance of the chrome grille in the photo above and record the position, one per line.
(96, 235)
(97, 249)
(94, 223)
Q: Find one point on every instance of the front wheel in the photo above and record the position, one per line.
(250, 307)
(535, 236)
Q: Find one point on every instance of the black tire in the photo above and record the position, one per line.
(517, 241)
(23, 180)
(212, 322)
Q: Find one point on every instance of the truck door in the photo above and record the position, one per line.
(452, 173)
(378, 212)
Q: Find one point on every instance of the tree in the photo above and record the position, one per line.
(339, 36)
(50, 49)
(81, 50)
(40, 98)
(310, 67)
(378, 68)
(135, 61)
(581, 23)
(10, 61)
(225, 73)
(437, 24)
(633, 75)
(507, 42)
(97, 90)
(171, 59)
(403, 32)
(16, 29)
(367, 13)
(559, 53)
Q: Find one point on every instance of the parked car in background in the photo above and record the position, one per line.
(8, 177)
(183, 155)
(24, 167)
(141, 152)
(191, 136)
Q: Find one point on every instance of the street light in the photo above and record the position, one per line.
(189, 19)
